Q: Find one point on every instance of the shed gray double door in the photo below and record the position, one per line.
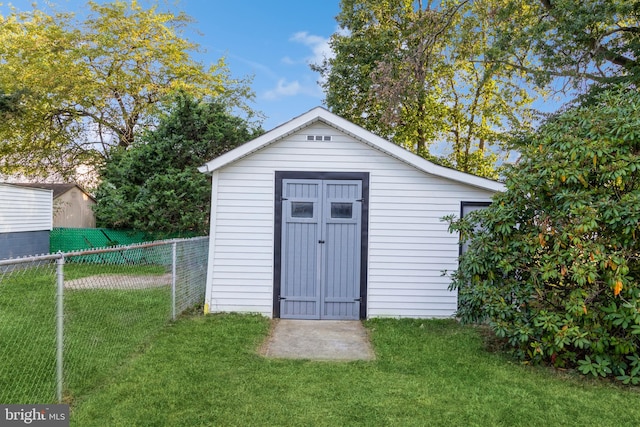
(321, 235)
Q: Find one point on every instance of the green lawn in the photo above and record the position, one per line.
(204, 371)
(126, 365)
(103, 328)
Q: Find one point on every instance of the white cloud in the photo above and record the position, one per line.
(343, 31)
(283, 89)
(319, 46)
(306, 85)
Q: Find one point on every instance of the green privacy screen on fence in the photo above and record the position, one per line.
(76, 239)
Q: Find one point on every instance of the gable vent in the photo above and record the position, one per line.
(318, 137)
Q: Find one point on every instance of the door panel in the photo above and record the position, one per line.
(320, 265)
(341, 267)
(300, 235)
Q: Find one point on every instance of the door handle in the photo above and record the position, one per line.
(320, 241)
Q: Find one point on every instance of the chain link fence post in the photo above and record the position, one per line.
(59, 327)
(69, 320)
(174, 257)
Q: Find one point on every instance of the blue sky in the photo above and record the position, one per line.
(271, 40)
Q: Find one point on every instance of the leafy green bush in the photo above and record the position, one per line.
(154, 185)
(553, 264)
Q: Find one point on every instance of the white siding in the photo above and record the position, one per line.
(25, 209)
(409, 245)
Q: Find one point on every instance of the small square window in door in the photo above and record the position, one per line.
(302, 209)
(341, 210)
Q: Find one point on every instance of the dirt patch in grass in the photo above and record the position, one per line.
(492, 343)
(119, 281)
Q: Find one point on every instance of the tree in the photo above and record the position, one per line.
(10, 104)
(554, 263)
(414, 74)
(154, 185)
(581, 42)
(93, 85)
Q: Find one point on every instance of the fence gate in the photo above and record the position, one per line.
(320, 255)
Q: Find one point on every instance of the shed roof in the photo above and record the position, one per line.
(319, 114)
(58, 188)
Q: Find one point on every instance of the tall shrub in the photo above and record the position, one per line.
(553, 264)
(154, 185)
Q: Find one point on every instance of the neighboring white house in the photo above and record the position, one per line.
(321, 219)
(25, 220)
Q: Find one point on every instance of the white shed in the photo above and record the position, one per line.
(321, 219)
(25, 220)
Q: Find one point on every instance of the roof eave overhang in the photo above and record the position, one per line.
(356, 132)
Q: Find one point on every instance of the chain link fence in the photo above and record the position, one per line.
(69, 321)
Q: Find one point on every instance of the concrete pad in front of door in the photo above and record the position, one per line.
(337, 340)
